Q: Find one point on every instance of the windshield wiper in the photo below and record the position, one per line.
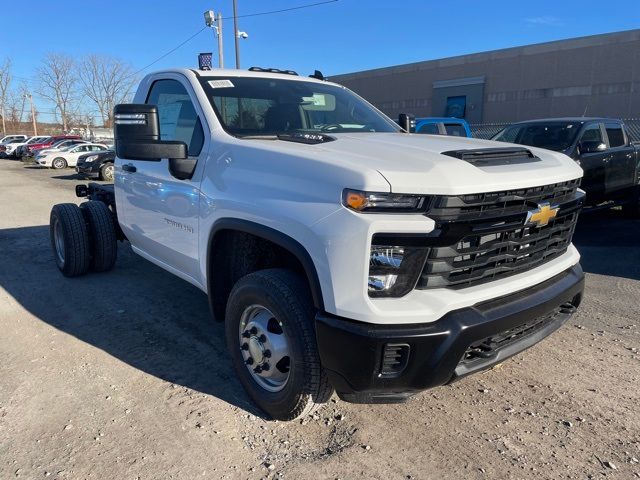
(307, 138)
(258, 137)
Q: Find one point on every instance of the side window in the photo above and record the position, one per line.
(592, 134)
(178, 117)
(455, 130)
(429, 128)
(615, 134)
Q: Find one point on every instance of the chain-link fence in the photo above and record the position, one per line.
(488, 130)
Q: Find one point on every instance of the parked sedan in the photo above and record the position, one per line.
(97, 165)
(62, 145)
(69, 156)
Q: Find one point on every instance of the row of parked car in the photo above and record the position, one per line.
(90, 159)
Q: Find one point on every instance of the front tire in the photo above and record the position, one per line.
(271, 338)
(69, 239)
(58, 163)
(106, 172)
(102, 233)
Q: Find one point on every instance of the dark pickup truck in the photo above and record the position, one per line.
(601, 146)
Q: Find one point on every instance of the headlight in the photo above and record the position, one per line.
(395, 263)
(90, 158)
(383, 202)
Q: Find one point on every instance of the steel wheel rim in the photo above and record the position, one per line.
(58, 240)
(264, 348)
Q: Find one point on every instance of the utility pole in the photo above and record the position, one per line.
(33, 113)
(220, 47)
(235, 32)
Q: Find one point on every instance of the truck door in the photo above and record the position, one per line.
(621, 168)
(159, 210)
(593, 163)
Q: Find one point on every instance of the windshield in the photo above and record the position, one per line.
(556, 136)
(265, 106)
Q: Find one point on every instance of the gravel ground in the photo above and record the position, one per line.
(124, 375)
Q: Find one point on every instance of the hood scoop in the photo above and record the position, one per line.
(493, 157)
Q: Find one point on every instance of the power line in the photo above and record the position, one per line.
(283, 10)
(169, 52)
(271, 12)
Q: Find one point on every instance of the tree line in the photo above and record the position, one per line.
(72, 86)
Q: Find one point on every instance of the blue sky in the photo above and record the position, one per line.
(339, 37)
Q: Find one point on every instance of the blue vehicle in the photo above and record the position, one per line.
(456, 127)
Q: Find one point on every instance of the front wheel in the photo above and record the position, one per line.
(59, 163)
(271, 339)
(106, 172)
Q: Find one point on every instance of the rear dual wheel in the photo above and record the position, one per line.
(83, 238)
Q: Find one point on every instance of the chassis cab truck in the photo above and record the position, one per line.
(342, 253)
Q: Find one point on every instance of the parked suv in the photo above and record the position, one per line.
(601, 146)
(97, 165)
(340, 252)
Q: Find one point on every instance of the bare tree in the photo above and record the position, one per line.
(107, 81)
(58, 83)
(5, 82)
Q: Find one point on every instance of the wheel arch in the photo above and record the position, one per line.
(268, 234)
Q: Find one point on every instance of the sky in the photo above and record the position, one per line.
(338, 37)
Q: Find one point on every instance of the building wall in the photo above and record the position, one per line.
(597, 76)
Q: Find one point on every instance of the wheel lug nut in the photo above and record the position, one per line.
(246, 334)
(253, 330)
(267, 354)
(258, 369)
(245, 346)
(262, 338)
(249, 361)
(265, 367)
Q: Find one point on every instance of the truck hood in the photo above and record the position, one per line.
(415, 163)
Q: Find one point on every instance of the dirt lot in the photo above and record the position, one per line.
(124, 375)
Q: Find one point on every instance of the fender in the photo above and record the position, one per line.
(276, 237)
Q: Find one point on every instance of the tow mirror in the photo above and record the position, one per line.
(408, 122)
(592, 147)
(136, 129)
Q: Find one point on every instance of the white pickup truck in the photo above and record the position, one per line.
(342, 253)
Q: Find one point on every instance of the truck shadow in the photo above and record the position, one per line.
(137, 313)
(609, 243)
(159, 324)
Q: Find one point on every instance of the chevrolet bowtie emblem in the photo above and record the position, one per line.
(541, 215)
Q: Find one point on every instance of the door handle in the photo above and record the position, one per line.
(128, 167)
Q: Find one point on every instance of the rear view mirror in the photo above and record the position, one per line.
(137, 134)
(592, 147)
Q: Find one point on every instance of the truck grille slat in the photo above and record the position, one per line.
(493, 241)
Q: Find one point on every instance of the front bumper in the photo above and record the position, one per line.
(357, 356)
(88, 170)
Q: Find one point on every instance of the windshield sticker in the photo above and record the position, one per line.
(221, 83)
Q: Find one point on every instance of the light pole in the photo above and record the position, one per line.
(33, 113)
(235, 32)
(210, 20)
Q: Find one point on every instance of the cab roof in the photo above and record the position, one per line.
(228, 72)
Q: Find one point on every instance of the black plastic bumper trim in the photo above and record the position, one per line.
(351, 351)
